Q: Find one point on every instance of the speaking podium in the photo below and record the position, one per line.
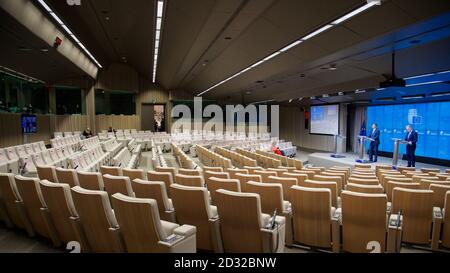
(339, 143)
(397, 143)
(362, 145)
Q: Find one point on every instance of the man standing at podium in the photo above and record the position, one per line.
(411, 137)
(374, 144)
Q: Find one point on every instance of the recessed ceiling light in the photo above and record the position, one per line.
(107, 18)
(44, 49)
(248, 93)
(291, 100)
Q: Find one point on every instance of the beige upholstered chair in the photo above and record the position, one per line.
(332, 186)
(426, 183)
(244, 227)
(364, 220)
(35, 207)
(286, 182)
(446, 222)
(117, 184)
(251, 170)
(420, 219)
(363, 181)
(390, 186)
(11, 204)
(337, 179)
(212, 169)
(208, 174)
(309, 174)
(67, 176)
(271, 197)
(313, 218)
(98, 220)
(165, 177)
(189, 180)
(193, 208)
(171, 170)
(134, 174)
(47, 173)
(370, 189)
(265, 175)
(190, 172)
(215, 184)
(155, 190)
(91, 181)
(342, 174)
(233, 172)
(144, 232)
(58, 199)
(439, 193)
(244, 178)
(116, 171)
(301, 177)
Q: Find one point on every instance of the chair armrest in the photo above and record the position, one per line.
(185, 230)
(389, 207)
(337, 216)
(394, 238)
(437, 214)
(437, 225)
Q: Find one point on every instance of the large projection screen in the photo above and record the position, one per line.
(324, 120)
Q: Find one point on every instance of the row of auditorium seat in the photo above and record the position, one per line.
(66, 134)
(10, 157)
(74, 141)
(213, 159)
(126, 159)
(89, 160)
(182, 159)
(237, 159)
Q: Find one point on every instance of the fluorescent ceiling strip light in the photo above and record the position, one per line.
(370, 3)
(265, 101)
(68, 31)
(159, 18)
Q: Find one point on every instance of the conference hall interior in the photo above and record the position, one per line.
(224, 126)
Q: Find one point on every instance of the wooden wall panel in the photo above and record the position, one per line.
(11, 129)
(103, 122)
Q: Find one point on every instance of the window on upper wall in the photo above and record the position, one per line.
(115, 102)
(69, 101)
(18, 95)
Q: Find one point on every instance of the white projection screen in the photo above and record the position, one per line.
(324, 120)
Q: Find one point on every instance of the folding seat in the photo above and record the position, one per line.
(190, 181)
(337, 179)
(167, 178)
(363, 166)
(212, 169)
(29, 149)
(369, 189)
(299, 176)
(244, 178)
(443, 176)
(134, 174)
(98, 220)
(430, 170)
(439, 192)
(36, 208)
(233, 172)
(111, 170)
(286, 182)
(208, 174)
(309, 174)
(426, 183)
(445, 238)
(9, 165)
(11, 154)
(27, 166)
(420, 219)
(342, 174)
(144, 232)
(365, 176)
(391, 185)
(58, 199)
(415, 173)
(396, 178)
(265, 175)
(11, 204)
(59, 162)
(364, 220)
(67, 176)
(192, 208)
(90, 181)
(245, 228)
(314, 224)
(37, 147)
(155, 190)
(383, 167)
(251, 170)
(271, 197)
(332, 186)
(20, 151)
(189, 172)
(118, 184)
(278, 171)
(47, 158)
(363, 181)
(47, 173)
(216, 183)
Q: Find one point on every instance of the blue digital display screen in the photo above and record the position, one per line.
(430, 120)
(29, 124)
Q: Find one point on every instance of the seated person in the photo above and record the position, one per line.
(87, 133)
(276, 150)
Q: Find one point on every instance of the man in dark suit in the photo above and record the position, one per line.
(373, 150)
(411, 137)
